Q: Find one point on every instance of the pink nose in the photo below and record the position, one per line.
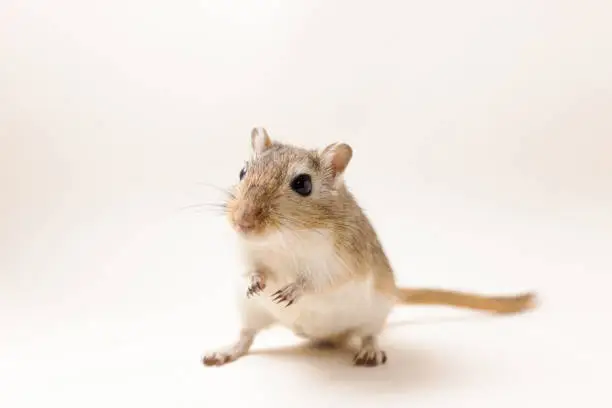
(245, 225)
(246, 218)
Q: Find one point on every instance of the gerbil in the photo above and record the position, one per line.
(314, 261)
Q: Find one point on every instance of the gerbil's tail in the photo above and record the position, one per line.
(494, 304)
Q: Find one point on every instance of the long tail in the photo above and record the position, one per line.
(495, 304)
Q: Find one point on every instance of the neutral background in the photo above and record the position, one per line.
(482, 133)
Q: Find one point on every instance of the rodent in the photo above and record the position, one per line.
(314, 261)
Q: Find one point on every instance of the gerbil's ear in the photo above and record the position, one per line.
(260, 141)
(337, 157)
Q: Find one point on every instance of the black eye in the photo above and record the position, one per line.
(302, 185)
(242, 173)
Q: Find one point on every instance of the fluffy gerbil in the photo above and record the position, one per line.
(314, 262)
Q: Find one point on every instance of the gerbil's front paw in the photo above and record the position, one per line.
(289, 294)
(256, 285)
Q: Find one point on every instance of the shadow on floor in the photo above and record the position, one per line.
(408, 367)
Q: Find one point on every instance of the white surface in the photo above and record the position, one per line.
(482, 138)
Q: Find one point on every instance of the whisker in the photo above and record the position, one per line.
(215, 206)
(225, 191)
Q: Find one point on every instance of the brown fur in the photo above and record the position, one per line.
(265, 199)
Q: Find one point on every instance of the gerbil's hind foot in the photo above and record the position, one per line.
(370, 358)
(369, 355)
(219, 358)
(232, 353)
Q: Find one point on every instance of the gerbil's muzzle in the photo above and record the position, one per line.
(248, 218)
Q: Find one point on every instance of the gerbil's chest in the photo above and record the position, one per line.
(287, 254)
(340, 301)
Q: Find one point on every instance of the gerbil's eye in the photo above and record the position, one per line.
(302, 184)
(242, 173)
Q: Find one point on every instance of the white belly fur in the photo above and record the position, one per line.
(332, 308)
(353, 306)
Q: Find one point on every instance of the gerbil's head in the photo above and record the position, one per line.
(287, 186)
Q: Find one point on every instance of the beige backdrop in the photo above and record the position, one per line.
(482, 133)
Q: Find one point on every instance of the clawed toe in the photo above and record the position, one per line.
(287, 295)
(370, 358)
(254, 289)
(256, 286)
(279, 298)
(217, 359)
